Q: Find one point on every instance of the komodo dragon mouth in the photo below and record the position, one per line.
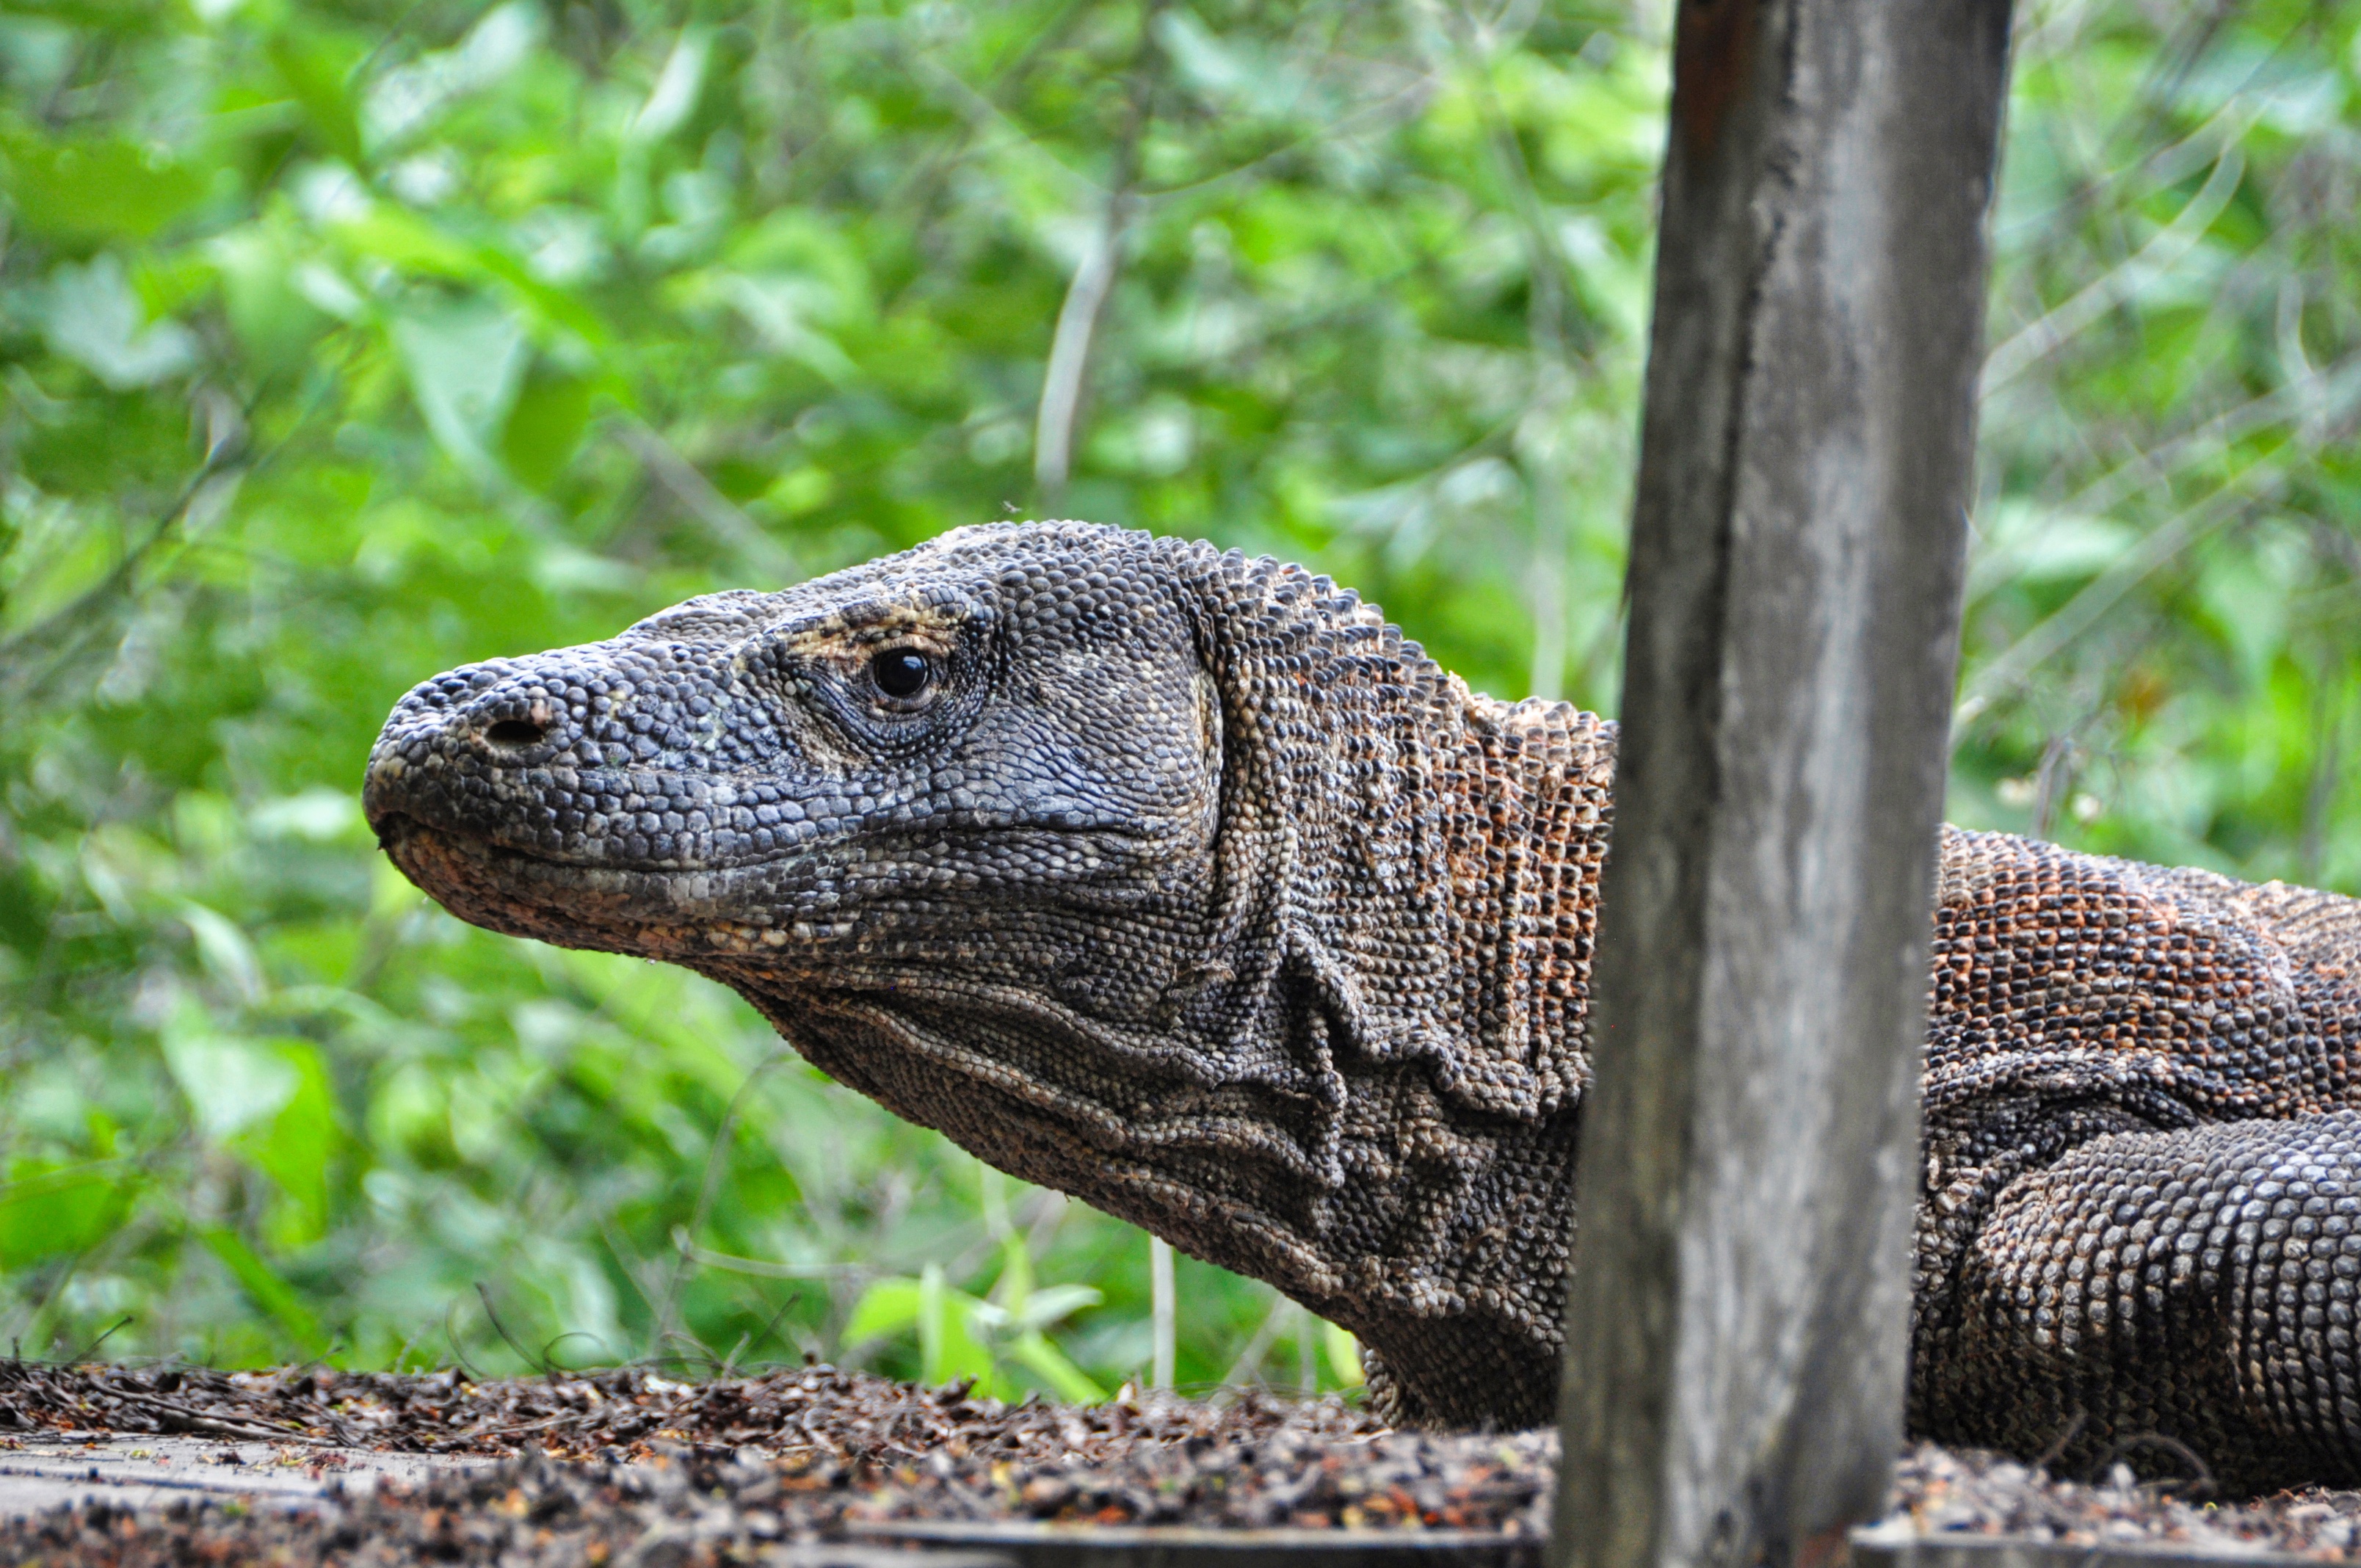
(1184, 883)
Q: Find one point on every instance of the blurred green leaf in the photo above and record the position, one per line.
(960, 1335)
(47, 1210)
(887, 1307)
(269, 1292)
(939, 1315)
(225, 952)
(948, 1346)
(1048, 1306)
(55, 557)
(94, 317)
(1033, 1351)
(674, 95)
(546, 425)
(95, 187)
(380, 232)
(1343, 1354)
(294, 1147)
(316, 75)
(276, 324)
(232, 1084)
(466, 357)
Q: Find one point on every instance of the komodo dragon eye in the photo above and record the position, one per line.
(902, 673)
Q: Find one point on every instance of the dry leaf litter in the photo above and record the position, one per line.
(629, 1466)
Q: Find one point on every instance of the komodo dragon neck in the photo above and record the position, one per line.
(1355, 1073)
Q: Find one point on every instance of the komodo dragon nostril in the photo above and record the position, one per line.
(516, 734)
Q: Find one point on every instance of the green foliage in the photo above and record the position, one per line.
(967, 1336)
(2160, 658)
(342, 342)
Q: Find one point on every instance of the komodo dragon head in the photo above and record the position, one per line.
(1176, 881)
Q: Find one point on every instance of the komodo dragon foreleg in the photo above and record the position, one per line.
(2143, 1215)
(2200, 1285)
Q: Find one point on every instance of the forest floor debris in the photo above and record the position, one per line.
(593, 1466)
(851, 1416)
(1939, 1491)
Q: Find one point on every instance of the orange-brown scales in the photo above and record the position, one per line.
(2142, 1217)
(1183, 883)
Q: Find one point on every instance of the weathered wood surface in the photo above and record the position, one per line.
(151, 1471)
(1739, 1308)
(1879, 1547)
(1031, 1544)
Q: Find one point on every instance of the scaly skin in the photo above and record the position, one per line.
(1183, 883)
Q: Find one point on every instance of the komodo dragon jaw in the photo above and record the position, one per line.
(1175, 881)
(1181, 882)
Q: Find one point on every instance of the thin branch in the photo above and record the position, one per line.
(1063, 382)
(2137, 274)
(1545, 327)
(91, 1348)
(729, 1365)
(728, 1263)
(77, 615)
(716, 1157)
(2165, 165)
(720, 516)
(1070, 354)
(2315, 399)
(1404, 103)
(2077, 614)
(167, 1411)
(1163, 1314)
(225, 453)
(982, 113)
(2320, 791)
(502, 1329)
(1247, 1368)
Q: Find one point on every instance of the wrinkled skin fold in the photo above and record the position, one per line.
(1181, 882)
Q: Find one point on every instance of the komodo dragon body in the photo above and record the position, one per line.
(1181, 882)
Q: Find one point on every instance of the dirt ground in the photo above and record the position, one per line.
(628, 1465)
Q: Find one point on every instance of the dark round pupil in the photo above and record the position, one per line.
(902, 673)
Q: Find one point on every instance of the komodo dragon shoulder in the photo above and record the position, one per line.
(1180, 882)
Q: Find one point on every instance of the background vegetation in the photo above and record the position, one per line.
(342, 342)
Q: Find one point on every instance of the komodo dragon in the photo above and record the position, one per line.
(1181, 882)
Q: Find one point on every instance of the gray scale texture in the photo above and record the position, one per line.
(1185, 884)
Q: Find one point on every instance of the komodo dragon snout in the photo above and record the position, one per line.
(1183, 883)
(871, 775)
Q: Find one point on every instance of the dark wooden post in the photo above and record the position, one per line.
(1739, 1316)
